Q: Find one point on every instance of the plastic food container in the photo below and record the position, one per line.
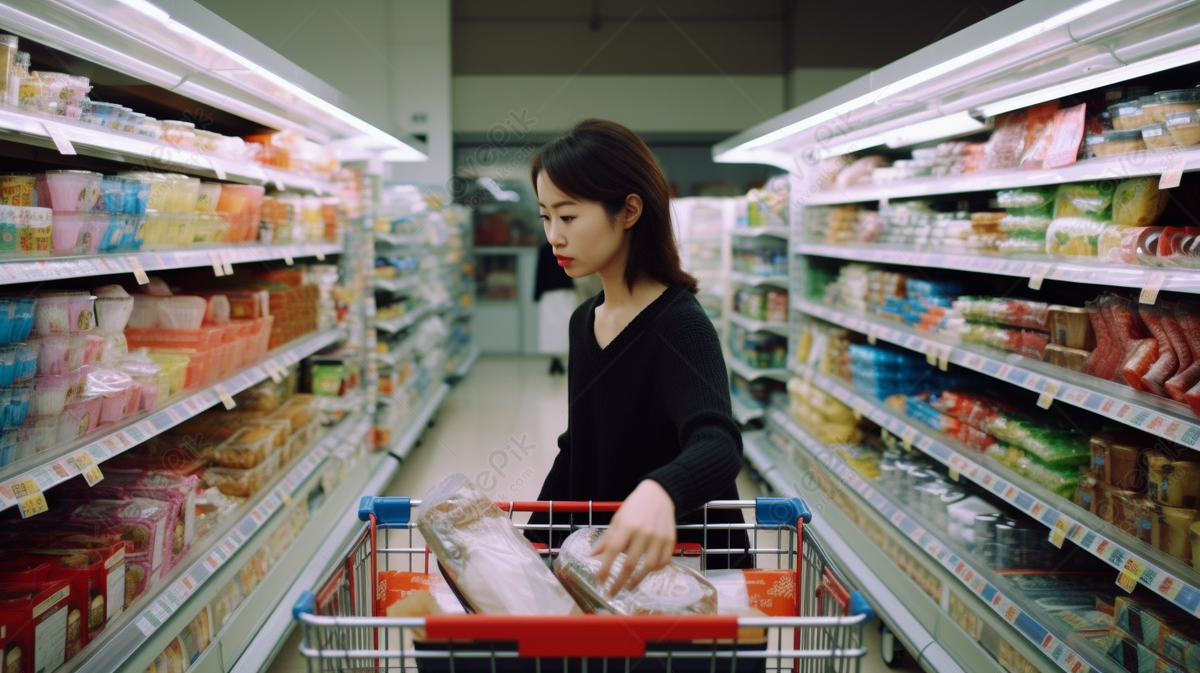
(81, 309)
(59, 354)
(78, 419)
(181, 134)
(113, 313)
(1171, 528)
(1184, 128)
(144, 314)
(1116, 505)
(1071, 326)
(1128, 116)
(208, 196)
(243, 203)
(1067, 358)
(74, 191)
(1177, 101)
(242, 483)
(1115, 143)
(1156, 137)
(52, 314)
(16, 189)
(182, 312)
(1175, 483)
(247, 448)
(50, 395)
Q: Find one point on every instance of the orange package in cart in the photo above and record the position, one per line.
(772, 592)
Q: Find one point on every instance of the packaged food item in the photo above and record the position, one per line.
(1167, 363)
(1172, 482)
(1116, 143)
(243, 483)
(494, 567)
(1184, 128)
(1067, 131)
(44, 609)
(673, 590)
(142, 521)
(409, 594)
(1128, 116)
(1156, 137)
(1091, 200)
(1039, 134)
(1171, 528)
(1006, 144)
(1136, 657)
(1160, 627)
(772, 592)
(1178, 101)
(1138, 202)
(1015, 312)
(250, 446)
(1074, 237)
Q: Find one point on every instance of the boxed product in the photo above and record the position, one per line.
(672, 590)
(1137, 657)
(146, 522)
(772, 592)
(44, 610)
(1161, 627)
(481, 553)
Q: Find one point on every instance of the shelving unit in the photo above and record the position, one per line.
(752, 325)
(750, 373)
(420, 420)
(744, 413)
(1025, 55)
(149, 625)
(1018, 266)
(61, 465)
(757, 281)
(1149, 413)
(1038, 629)
(751, 232)
(1147, 566)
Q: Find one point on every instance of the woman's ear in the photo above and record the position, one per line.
(632, 211)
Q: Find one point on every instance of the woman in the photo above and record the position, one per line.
(649, 421)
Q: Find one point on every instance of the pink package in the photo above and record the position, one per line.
(147, 523)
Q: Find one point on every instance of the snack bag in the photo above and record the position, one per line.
(673, 590)
(494, 567)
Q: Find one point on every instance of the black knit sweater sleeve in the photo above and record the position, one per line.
(558, 482)
(695, 392)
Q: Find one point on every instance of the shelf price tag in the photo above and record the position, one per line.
(227, 264)
(218, 268)
(931, 354)
(1172, 172)
(274, 370)
(908, 436)
(320, 256)
(92, 475)
(944, 354)
(1040, 271)
(1048, 392)
(226, 399)
(135, 265)
(1058, 534)
(287, 259)
(31, 505)
(1154, 284)
(1127, 581)
(61, 142)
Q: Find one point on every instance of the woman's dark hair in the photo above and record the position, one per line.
(601, 160)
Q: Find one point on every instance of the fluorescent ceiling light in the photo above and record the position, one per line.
(149, 9)
(957, 124)
(1072, 87)
(934, 72)
(406, 153)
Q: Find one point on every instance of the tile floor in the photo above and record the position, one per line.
(499, 426)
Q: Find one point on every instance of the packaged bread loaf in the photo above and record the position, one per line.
(673, 590)
(494, 567)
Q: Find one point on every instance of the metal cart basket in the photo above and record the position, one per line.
(343, 632)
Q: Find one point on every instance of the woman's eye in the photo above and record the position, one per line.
(566, 218)
(545, 217)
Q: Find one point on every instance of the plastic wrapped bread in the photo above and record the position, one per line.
(495, 568)
(673, 590)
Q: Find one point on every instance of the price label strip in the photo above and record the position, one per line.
(1040, 271)
(61, 142)
(226, 398)
(31, 505)
(1048, 393)
(1172, 172)
(1154, 283)
(139, 273)
(217, 266)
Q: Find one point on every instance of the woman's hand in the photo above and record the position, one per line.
(643, 526)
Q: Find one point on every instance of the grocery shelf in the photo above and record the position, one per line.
(1100, 168)
(750, 373)
(395, 240)
(925, 630)
(418, 422)
(148, 628)
(344, 404)
(752, 325)
(1076, 270)
(468, 361)
(405, 321)
(57, 466)
(1150, 567)
(754, 280)
(14, 271)
(778, 232)
(1003, 599)
(396, 285)
(269, 607)
(1149, 413)
(282, 180)
(744, 413)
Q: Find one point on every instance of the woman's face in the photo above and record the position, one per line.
(584, 237)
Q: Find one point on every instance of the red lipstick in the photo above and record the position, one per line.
(564, 261)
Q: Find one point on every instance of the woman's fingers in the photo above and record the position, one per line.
(611, 544)
(653, 561)
(633, 554)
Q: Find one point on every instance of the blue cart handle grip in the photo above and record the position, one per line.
(860, 606)
(781, 511)
(387, 511)
(306, 604)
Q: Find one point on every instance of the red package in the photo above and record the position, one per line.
(1102, 363)
(1138, 364)
(1039, 134)
(1067, 135)
(1177, 338)
(44, 611)
(1167, 363)
(107, 583)
(1007, 143)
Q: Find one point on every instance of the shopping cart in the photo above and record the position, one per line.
(342, 630)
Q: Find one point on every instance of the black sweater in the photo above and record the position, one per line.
(653, 404)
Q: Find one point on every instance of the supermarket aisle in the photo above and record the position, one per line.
(499, 426)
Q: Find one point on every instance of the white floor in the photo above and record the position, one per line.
(499, 427)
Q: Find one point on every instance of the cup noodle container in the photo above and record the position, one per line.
(16, 189)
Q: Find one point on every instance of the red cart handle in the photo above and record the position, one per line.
(579, 636)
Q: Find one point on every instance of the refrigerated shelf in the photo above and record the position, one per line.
(1143, 564)
(158, 617)
(1149, 413)
(1064, 269)
(752, 325)
(58, 466)
(755, 281)
(396, 285)
(15, 271)
(1004, 600)
(751, 373)
(418, 422)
